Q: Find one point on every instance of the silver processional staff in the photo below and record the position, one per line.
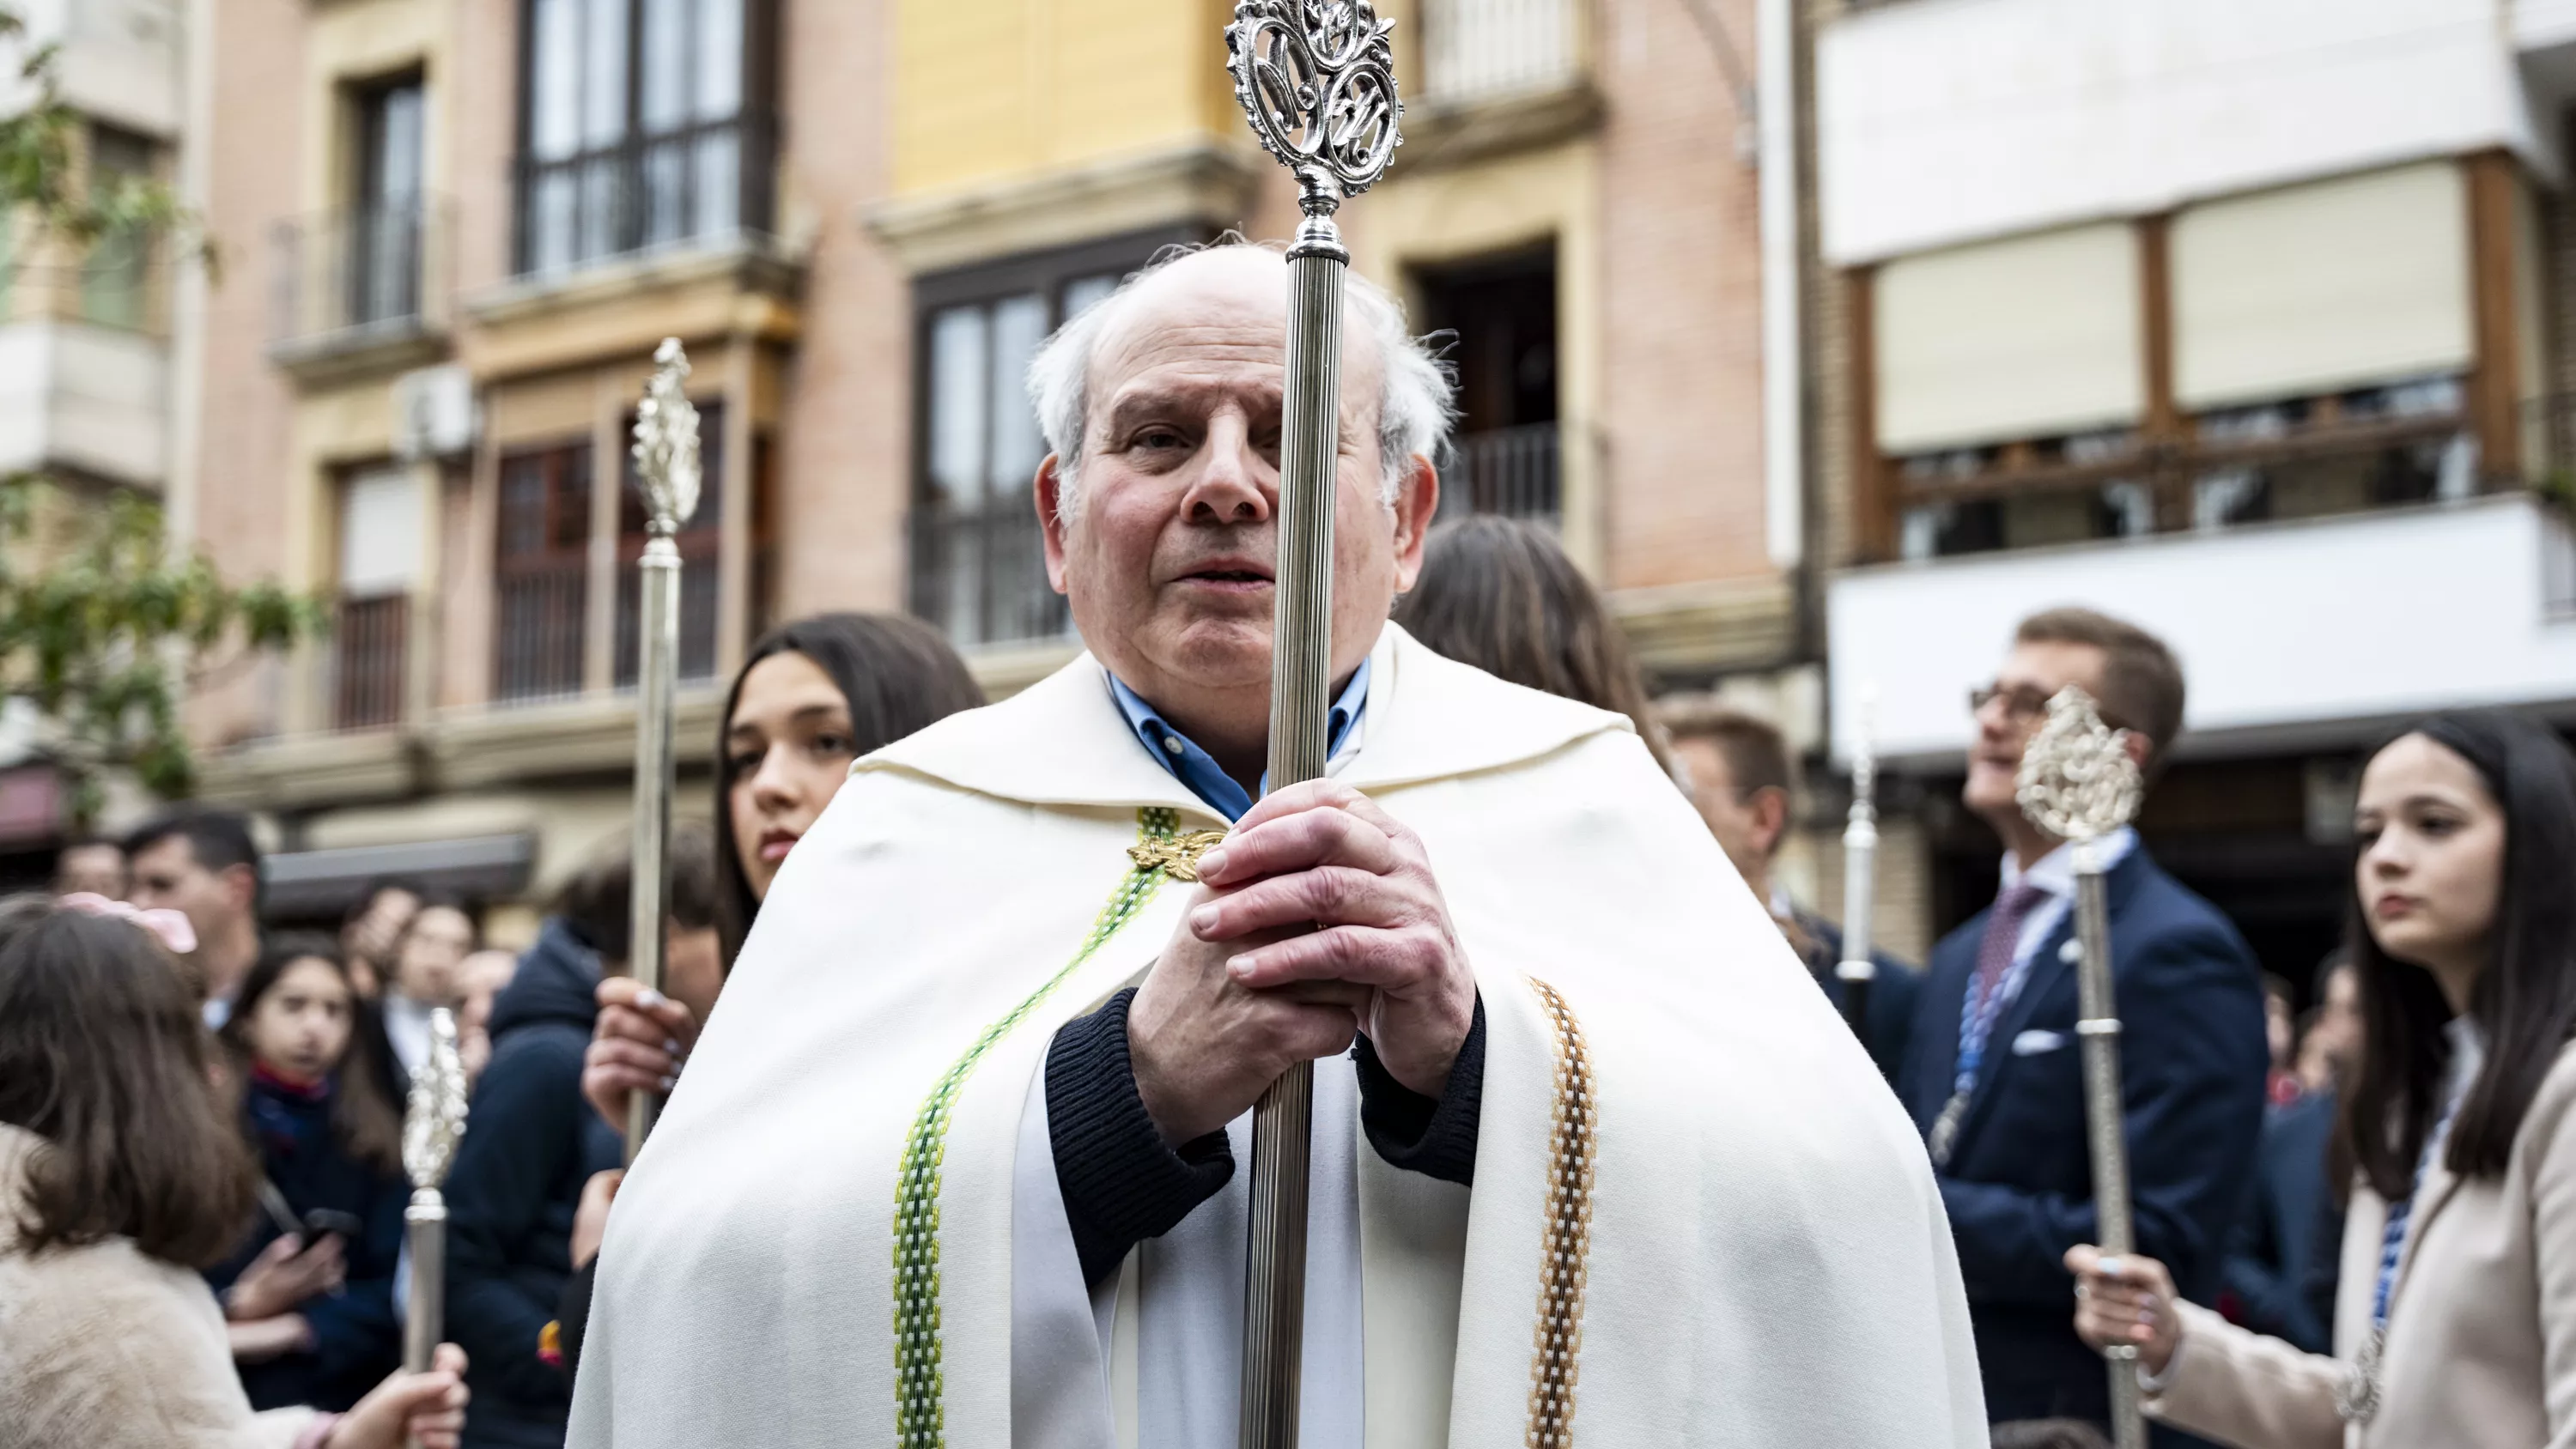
(666, 468)
(1317, 79)
(2079, 783)
(433, 1126)
(1860, 874)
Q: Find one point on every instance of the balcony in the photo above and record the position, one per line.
(370, 652)
(1515, 472)
(361, 290)
(706, 182)
(2288, 629)
(539, 620)
(982, 576)
(1497, 75)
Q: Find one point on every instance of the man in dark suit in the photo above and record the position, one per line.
(1993, 1076)
(1737, 771)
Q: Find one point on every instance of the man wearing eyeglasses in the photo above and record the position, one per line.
(1993, 1076)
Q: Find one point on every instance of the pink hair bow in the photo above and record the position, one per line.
(171, 926)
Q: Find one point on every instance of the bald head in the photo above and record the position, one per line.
(1393, 388)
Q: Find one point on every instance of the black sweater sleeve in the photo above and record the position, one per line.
(1121, 1184)
(1411, 1131)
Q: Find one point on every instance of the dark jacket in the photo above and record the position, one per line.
(357, 1339)
(1891, 992)
(530, 1144)
(2019, 1183)
(2266, 1284)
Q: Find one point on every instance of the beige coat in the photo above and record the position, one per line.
(2481, 1346)
(104, 1348)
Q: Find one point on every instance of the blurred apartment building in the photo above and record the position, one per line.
(456, 228)
(85, 349)
(2247, 321)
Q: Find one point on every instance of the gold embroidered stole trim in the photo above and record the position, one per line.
(1556, 1359)
(921, 1411)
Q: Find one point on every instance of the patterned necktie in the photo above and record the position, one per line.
(1982, 1005)
(2003, 936)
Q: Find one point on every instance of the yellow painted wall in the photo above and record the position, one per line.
(990, 91)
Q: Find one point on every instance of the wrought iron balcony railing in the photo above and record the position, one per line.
(539, 624)
(708, 180)
(359, 276)
(370, 652)
(982, 576)
(1516, 472)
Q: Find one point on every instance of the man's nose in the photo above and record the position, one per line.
(1234, 483)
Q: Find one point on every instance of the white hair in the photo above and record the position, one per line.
(1415, 389)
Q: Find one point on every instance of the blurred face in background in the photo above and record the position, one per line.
(1747, 824)
(97, 867)
(431, 948)
(788, 747)
(299, 1028)
(479, 981)
(2335, 1036)
(2431, 867)
(168, 876)
(2015, 706)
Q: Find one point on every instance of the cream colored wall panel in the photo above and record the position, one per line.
(2025, 338)
(2321, 287)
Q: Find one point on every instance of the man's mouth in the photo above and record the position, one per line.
(1229, 575)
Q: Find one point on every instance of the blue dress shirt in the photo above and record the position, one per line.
(1199, 770)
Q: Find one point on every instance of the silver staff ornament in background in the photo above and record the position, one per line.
(433, 1125)
(1317, 80)
(666, 466)
(2079, 783)
(1860, 871)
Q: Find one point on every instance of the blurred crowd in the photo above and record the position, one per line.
(201, 1120)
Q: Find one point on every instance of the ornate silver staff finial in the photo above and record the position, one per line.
(2078, 781)
(666, 442)
(434, 1121)
(433, 1125)
(1317, 77)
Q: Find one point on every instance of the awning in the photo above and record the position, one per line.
(315, 883)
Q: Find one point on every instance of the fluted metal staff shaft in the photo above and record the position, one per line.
(1857, 969)
(1300, 685)
(658, 610)
(425, 1232)
(2098, 1031)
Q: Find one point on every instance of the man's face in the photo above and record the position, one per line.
(167, 876)
(2032, 674)
(1746, 829)
(98, 868)
(1170, 565)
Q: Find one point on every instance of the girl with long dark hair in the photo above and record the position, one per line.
(308, 1292)
(2456, 1306)
(121, 1175)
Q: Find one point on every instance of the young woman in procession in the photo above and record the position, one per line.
(813, 696)
(308, 1294)
(121, 1175)
(2457, 1302)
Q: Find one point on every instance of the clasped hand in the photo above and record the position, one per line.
(1243, 991)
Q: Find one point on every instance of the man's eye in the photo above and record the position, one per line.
(1161, 438)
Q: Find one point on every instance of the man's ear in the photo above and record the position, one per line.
(1050, 494)
(1417, 502)
(2141, 749)
(241, 882)
(1770, 806)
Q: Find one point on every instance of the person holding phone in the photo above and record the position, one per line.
(308, 1293)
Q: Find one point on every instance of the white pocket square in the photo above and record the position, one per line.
(2032, 1043)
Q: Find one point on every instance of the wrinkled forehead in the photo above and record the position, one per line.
(1214, 326)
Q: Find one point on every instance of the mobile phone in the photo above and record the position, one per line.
(323, 1221)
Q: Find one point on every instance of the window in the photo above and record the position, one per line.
(542, 568)
(699, 541)
(645, 124)
(978, 553)
(115, 277)
(380, 534)
(1501, 311)
(385, 213)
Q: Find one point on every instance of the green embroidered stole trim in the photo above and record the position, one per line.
(921, 1414)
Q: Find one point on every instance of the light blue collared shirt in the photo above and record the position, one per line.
(1199, 770)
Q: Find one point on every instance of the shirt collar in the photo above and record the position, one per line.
(2055, 871)
(1198, 769)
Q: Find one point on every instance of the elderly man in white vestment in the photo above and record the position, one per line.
(957, 1161)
